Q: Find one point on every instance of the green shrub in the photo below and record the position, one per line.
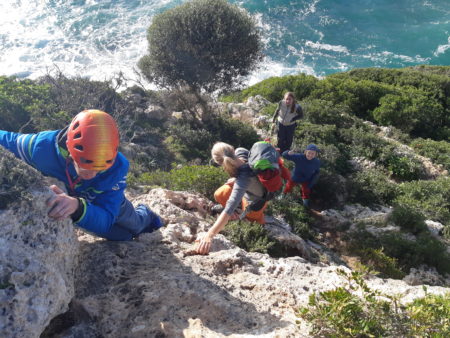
(294, 214)
(341, 313)
(274, 88)
(432, 198)
(202, 179)
(424, 250)
(191, 140)
(319, 111)
(307, 133)
(371, 187)
(437, 151)
(251, 237)
(269, 110)
(429, 316)
(355, 310)
(361, 141)
(233, 131)
(412, 111)
(377, 260)
(188, 143)
(207, 44)
(330, 190)
(22, 102)
(362, 97)
(408, 253)
(408, 219)
(403, 167)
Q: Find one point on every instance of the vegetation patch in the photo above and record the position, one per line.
(356, 310)
(196, 178)
(400, 252)
(295, 215)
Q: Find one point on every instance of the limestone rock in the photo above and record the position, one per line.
(38, 256)
(150, 287)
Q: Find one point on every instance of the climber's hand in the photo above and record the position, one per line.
(203, 244)
(61, 205)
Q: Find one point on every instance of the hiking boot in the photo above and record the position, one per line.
(217, 209)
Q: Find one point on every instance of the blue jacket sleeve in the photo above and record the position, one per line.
(289, 157)
(100, 214)
(21, 145)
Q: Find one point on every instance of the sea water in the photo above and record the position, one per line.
(100, 38)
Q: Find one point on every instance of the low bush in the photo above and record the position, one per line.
(201, 179)
(251, 237)
(408, 219)
(432, 198)
(403, 168)
(371, 187)
(355, 310)
(274, 88)
(21, 101)
(319, 111)
(294, 214)
(330, 190)
(424, 250)
(361, 141)
(437, 151)
(307, 133)
(429, 316)
(407, 252)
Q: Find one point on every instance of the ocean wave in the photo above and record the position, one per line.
(441, 49)
(326, 46)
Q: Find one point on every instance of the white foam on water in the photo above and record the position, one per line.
(328, 47)
(441, 49)
(270, 68)
(36, 37)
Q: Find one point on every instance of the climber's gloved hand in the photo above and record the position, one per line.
(61, 205)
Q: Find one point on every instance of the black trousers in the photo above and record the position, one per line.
(285, 136)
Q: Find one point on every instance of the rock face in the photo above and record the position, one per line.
(153, 287)
(53, 285)
(37, 255)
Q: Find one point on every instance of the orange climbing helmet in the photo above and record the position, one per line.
(93, 140)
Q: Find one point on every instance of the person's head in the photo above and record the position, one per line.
(311, 151)
(289, 100)
(92, 142)
(241, 153)
(223, 154)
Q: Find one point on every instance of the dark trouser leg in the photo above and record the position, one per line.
(285, 136)
(132, 222)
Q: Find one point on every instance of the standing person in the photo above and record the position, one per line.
(306, 171)
(288, 112)
(84, 156)
(243, 189)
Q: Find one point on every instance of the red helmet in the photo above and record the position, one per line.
(93, 140)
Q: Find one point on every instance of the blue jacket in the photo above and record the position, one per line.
(305, 170)
(101, 196)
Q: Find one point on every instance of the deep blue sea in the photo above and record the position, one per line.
(98, 38)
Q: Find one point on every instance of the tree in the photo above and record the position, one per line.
(205, 44)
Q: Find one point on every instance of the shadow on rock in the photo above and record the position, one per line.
(143, 289)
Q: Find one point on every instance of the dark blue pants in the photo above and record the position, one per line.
(285, 136)
(132, 222)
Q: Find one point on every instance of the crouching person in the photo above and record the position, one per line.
(243, 189)
(306, 171)
(84, 156)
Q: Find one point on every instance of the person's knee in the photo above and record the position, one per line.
(222, 194)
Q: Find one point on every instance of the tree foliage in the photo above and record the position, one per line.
(206, 44)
